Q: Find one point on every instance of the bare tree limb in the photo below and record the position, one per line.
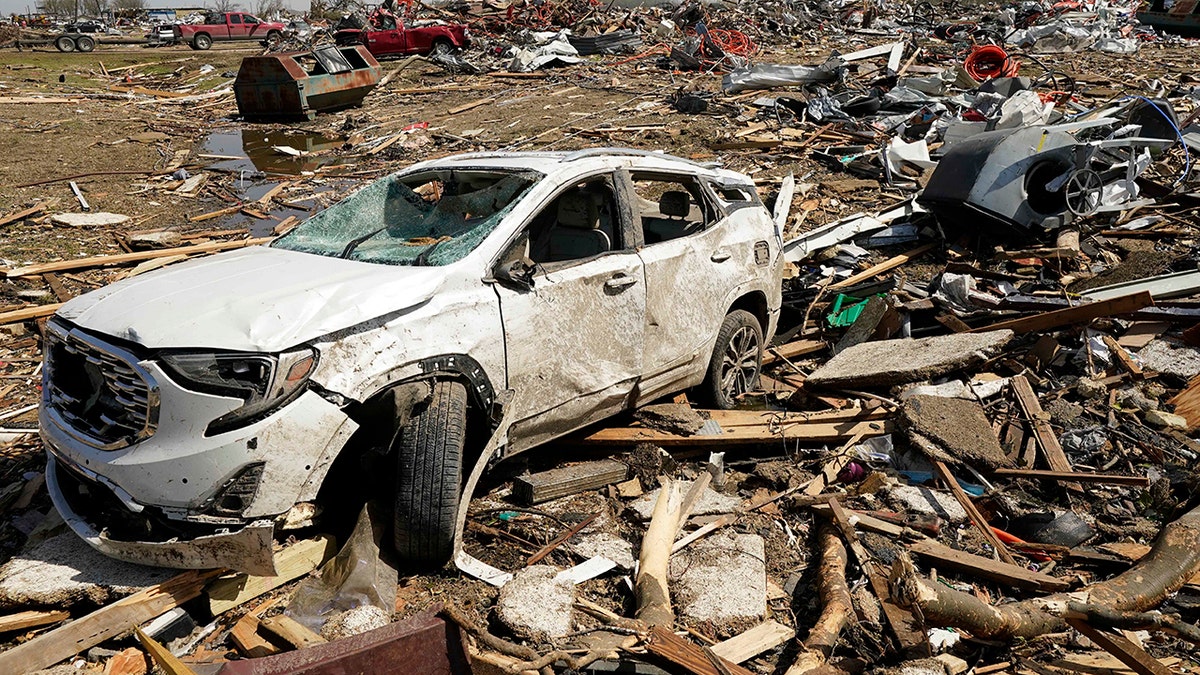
(836, 607)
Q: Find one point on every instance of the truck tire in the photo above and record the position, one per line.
(736, 360)
(428, 477)
(85, 43)
(64, 44)
(201, 41)
(274, 37)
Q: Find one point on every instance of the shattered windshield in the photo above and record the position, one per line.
(427, 218)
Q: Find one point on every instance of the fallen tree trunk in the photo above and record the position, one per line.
(1174, 559)
(836, 606)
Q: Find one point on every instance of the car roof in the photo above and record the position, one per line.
(559, 161)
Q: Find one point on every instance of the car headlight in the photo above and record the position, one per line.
(263, 381)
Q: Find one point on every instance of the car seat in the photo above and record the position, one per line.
(576, 233)
(675, 206)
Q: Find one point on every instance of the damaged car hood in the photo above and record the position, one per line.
(255, 299)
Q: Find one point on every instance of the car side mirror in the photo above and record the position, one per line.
(516, 274)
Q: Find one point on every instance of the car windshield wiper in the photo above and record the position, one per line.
(355, 242)
(422, 259)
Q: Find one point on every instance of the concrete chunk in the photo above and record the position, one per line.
(100, 219)
(926, 502)
(710, 502)
(888, 362)
(536, 604)
(64, 570)
(957, 426)
(722, 579)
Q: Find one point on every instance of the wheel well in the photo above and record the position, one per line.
(754, 302)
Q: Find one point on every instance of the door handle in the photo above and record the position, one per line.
(720, 256)
(619, 281)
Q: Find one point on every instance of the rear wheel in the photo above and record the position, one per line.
(428, 477)
(736, 360)
(64, 44)
(85, 44)
(201, 42)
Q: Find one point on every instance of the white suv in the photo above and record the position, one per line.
(511, 297)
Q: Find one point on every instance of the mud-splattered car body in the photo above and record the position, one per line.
(190, 412)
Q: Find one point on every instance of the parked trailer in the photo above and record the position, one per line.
(78, 42)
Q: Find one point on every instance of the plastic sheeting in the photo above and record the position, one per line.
(767, 76)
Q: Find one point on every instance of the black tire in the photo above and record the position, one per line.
(64, 44)
(202, 41)
(736, 360)
(428, 477)
(85, 43)
(273, 38)
(442, 46)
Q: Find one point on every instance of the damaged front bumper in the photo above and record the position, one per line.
(247, 549)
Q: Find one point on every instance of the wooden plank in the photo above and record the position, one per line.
(1072, 315)
(27, 313)
(687, 655)
(1122, 357)
(105, 623)
(20, 215)
(245, 633)
(1075, 477)
(976, 517)
(568, 480)
(886, 265)
(123, 258)
(1121, 647)
(470, 106)
(292, 562)
(791, 350)
(829, 472)
(1046, 438)
(765, 636)
(56, 286)
(31, 619)
(558, 541)
(729, 419)
(903, 625)
(291, 631)
(229, 210)
(816, 433)
(168, 662)
(1187, 403)
(1011, 575)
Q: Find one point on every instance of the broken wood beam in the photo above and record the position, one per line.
(791, 350)
(1046, 438)
(27, 313)
(245, 633)
(1073, 315)
(31, 619)
(1074, 477)
(107, 622)
(168, 662)
(687, 655)
(20, 215)
(838, 432)
(1011, 575)
(885, 266)
(291, 631)
(976, 517)
(291, 563)
(1121, 647)
(560, 539)
(123, 258)
(470, 106)
(568, 480)
(745, 646)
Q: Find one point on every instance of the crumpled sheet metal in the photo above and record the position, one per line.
(766, 76)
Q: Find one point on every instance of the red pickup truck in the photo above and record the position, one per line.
(228, 26)
(401, 40)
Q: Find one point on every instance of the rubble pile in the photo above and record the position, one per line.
(972, 447)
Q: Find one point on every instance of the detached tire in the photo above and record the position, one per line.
(429, 476)
(736, 360)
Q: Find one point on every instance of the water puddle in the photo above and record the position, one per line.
(287, 153)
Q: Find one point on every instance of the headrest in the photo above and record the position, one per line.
(675, 203)
(577, 210)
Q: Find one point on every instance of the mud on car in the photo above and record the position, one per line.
(439, 319)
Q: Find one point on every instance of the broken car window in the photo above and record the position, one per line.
(580, 223)
(428, 218)
(668, 207)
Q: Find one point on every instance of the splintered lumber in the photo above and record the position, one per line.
(763, 433)
(1072, 315)
(31, 619)
(558, 541)
(291, 631)
(123, 258)
(1074, 477)
(765, 636)
(886, 265)
(1187, 403)
(215, 214)
(832, 468)
(567, 480)
(903, 625)
(27, 313)
(1124, 649)
(976, 517)
(170, 664)
(291, 563)
(792, 350)
(1123, 357)
(687, 655)
(245, 633)
(470, 106)
(20, 215)
(107, 622)
(836, 605)
(1046, 438)
(1012, 575)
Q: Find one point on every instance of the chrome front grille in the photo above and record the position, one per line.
(96, 391)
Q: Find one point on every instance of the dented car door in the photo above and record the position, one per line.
(574, 336)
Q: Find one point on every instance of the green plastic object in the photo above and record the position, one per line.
(840, 315)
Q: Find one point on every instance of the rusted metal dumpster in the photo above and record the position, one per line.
(295, 85)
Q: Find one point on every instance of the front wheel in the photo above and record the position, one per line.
(428, 477)
(736, 360)
(64, 44)
(273, 39)
(441, 46)
(201, 42)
